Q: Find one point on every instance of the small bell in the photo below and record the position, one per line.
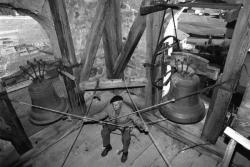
(188, 110)
(44, 95)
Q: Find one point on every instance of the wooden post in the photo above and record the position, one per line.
(93, 39)
(149, 53)
(152, 36)
(112, 36)
(243, 113)
(221, 97)
(10, 126)
(133, 39)
(63, 32)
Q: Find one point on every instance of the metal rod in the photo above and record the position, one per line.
(187, 68)
(182, 66)
(86, 114)
(147, 109)
(66, 114)
(39, 69)
(150, 134)
(43, 63)
(34, 69)
(25, 71)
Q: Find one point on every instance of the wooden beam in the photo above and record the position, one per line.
(149, 53)
(231, 15)
(163, 5)
(113, 84)
(60, 18)
(93, 39)
(10, 126)
(133, 39)
(224, 6)
(236, 56)
(112, 36)
(61, 23)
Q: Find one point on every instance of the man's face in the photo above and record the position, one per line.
(117, 105)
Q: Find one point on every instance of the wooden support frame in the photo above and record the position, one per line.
(61, 23)
(221, 97)
(60, 18)
(112, 36)
(134, 36)
(11, 128)
(153, 35)
(93, 39)
(112, 84)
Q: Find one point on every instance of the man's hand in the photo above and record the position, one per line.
(85, 119)
(146, 130)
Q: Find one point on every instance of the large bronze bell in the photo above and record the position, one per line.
(187, 110)
(43, 94)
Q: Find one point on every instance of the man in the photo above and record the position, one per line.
(118, 109)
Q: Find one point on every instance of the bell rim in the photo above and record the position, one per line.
(179, 117)
(50, 121)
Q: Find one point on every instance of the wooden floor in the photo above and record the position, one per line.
(142, 152)
(52, 144)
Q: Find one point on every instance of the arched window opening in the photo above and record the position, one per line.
(22, 38)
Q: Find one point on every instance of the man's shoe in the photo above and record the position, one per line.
(106, 150)
(124, 157)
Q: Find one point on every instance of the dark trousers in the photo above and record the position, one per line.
(126, 137)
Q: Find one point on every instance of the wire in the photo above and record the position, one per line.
(71, 147)
(149, 134)
(80, 130)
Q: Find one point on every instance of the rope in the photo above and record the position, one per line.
(149, 133)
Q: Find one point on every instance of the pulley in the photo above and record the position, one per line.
(187, 110)
(43, 94)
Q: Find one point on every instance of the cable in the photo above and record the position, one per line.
(71, 147)
(64, 113)
(181, 151)
(149, 134)
(86, 114)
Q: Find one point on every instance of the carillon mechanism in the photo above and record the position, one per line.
(42, 92)
(183, 82)
(187, 110)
